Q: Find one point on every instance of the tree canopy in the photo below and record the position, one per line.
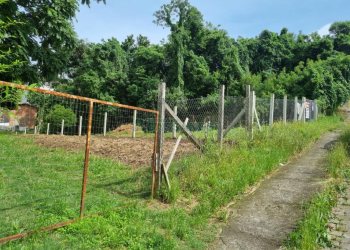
(38, 45)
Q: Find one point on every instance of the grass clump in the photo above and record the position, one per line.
(312, 230)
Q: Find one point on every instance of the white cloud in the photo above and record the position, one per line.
(324, 30)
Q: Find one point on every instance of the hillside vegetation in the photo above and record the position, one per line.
(194, 60)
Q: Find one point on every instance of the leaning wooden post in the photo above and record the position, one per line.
(62, 127)
(161, 110)
(272, 108)
(134, 124)
(303, 101)
(105, 124)
(48, 129)
(86, 161)
(174, 124)
(285, 110)
(221, 115)
(80, 125)
(296, 109)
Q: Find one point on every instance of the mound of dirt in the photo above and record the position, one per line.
(126, 128)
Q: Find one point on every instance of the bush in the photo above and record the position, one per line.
(59, 113)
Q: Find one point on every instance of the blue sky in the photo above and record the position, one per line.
(246, 18)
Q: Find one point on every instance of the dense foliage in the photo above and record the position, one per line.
(38, 44)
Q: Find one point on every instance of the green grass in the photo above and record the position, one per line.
(312, 230)
(41, 186)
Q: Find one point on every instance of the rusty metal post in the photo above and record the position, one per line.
(87, 157)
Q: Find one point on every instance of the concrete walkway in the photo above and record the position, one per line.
(264, 219)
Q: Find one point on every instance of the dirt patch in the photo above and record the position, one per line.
(135, 152)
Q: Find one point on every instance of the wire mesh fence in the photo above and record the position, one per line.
(54, 139)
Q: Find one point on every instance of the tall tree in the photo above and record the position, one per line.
(173, 15)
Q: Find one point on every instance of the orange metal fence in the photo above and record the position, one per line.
(89, 116)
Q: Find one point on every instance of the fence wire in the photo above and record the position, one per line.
(43, 138)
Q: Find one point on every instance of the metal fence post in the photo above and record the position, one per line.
(221, 115)
(105, 124)
(62, 127)
(86, 161)
(272, 109)
(161, 110)
(285, 109)
(174, 124)
(80, 125)
(134, 124)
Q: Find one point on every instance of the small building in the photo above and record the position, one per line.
(23, 117)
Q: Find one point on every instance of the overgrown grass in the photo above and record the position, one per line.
(312, 230)
(46, 185)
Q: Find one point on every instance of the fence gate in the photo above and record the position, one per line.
(59, 159)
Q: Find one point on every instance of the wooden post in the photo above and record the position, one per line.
(174, 124)
(80, 125)
(25, 130)
(161, 110)
(285, 109)
(221, 115)
(35, 130)
(86, 161)
(48, 129)
(105, 124)
(303, 100)
(272, 108)
(296, 109)
(134, 124)
(62, 127)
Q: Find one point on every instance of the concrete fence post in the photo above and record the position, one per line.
(285, 103)
(221, 115)
(303, 101)
(80, 125)
(272, 109)
(105, 124)
(62, 127)
(316, 111)
(35, 130)
(134, 124)
(247, 107)
(48, 129)
(174, 124)
(296, 109)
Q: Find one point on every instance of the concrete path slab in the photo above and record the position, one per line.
(264, 219)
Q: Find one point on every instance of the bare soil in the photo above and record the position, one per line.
(135, 152)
